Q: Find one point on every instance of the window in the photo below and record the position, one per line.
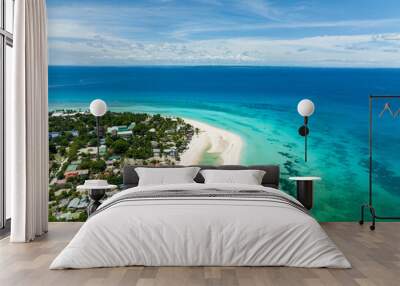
(6, 43)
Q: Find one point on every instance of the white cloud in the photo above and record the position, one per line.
(151, 35)
(187, 30)
(69, 29)
(357, 50)
(260, 7)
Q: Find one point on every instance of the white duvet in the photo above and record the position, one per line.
(199, 231)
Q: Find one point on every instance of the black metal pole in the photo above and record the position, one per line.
(374, 216)
(305, 137)
(305, 148)
(98, 137)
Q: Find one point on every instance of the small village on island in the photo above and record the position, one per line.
(125, 138)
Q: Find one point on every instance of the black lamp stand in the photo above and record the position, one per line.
(304, 131)
(98, 136)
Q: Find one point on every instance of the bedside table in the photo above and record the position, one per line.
(96, 191)
(305, 190)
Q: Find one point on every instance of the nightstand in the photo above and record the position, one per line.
(305, 190)
(96, 191)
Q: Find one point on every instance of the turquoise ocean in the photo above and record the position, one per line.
(260, 105)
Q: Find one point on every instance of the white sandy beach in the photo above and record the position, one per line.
(211, 139)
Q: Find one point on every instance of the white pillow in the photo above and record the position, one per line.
(248, 177)
(166, 176)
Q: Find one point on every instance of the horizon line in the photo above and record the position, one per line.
(221, 66)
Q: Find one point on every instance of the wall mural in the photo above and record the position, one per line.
(218, 82)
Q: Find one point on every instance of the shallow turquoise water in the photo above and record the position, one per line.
(259, 104)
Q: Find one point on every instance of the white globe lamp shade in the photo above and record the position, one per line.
(306, 107)
(98, 107)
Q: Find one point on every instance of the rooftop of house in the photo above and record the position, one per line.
(121, 128)
(72, 167)
(131, 126)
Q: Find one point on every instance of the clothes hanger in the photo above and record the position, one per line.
(387, 107)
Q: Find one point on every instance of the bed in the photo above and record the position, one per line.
(198, 224)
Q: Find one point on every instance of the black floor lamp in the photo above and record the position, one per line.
(305, 108)
(98, 108)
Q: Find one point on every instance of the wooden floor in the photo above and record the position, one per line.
(375, 257)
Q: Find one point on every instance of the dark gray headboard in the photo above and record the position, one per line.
(271, 177)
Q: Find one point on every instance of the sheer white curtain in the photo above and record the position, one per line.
(27, 124)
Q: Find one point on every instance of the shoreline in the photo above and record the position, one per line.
(225, 145)
(212, 140)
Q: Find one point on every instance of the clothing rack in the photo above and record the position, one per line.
(386, 108)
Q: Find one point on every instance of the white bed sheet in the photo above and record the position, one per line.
(200, 232)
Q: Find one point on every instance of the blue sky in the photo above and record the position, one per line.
(352, 33)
